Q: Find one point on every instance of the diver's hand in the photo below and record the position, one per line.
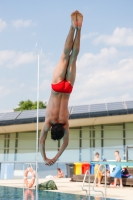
(50, 162)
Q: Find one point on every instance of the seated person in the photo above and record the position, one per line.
(107, 169)
(60, 173)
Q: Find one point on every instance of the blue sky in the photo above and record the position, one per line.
(105, 62)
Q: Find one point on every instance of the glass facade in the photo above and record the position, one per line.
(83, 143)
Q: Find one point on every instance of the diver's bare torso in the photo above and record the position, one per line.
(57, 108)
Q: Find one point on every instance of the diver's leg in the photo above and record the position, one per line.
(71, 70)
(60, 70)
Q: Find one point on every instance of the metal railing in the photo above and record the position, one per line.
(93, 187)
(87, 172)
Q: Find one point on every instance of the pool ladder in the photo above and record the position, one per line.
(88, 172)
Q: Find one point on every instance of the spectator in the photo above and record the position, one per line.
(102, 169)
(60, 173)
(117, 171)
(97, 172)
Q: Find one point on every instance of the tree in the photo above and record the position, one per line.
(29, 105)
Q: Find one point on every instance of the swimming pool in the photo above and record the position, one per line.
(10, 193)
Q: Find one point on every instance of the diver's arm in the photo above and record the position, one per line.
(63, 147)
(43, 137)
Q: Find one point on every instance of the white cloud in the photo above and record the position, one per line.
(13, 59)
(120, 36)
(103, 80)
(6, 88)
(102, 77)
(3, 25)
(6, 111)
(4, 91)
(22, 85)
(33, 33)
(20, 23)
(90, 35)
(47, 65)
(46, 72)
(95, 61)
(45, 85)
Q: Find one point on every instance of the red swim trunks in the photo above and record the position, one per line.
(62, 87)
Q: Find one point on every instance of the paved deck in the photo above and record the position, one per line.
(64, 185)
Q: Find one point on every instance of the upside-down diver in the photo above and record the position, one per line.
(57, 114)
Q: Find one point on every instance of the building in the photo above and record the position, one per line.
(101, 128)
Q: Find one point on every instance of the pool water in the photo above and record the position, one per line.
(10, 193)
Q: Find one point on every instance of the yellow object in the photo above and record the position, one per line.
(99, 175)
(77, 168)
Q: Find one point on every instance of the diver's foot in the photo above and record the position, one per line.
(77, 19)
(74, 19)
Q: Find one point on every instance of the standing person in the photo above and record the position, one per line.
(117, 172)
(97, 172)
(57, 114)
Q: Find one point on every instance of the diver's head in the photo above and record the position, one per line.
(57, 131)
